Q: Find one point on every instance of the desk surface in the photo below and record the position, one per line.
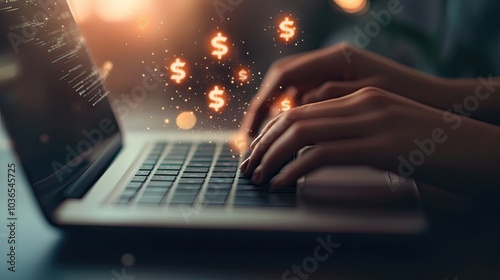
(451, 251)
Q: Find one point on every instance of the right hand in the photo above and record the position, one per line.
(334, 72)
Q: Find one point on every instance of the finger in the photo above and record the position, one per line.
(312, 68)
(327, 109)
(307, 133)
(349, 152)
(343, 106)
(334, 89)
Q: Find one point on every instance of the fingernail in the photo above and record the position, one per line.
(277, 183)
(244, 165)
(257, 175)
(254, 143)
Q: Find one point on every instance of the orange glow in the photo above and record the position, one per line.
(351, 6)
(142, 22)
(178, 73)
(286, 105)
(111, 10)
(186, 120)
(80, 9)
(119, 10)
(287, 29)
(242, 75)
(220, 48)
(240, 142)
(106, 69)
(217, 100)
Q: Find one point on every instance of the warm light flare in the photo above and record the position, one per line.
(351, 6)
(186, 120)
(240, 142)
(217, 99)
(178, 71)
(287, 29)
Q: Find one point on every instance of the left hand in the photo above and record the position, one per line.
(371, 127)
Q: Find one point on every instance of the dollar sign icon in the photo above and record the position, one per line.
(288, 31)
(178, 73)
(220, 48)
(243, 75)
(216, 96)
(286, 105)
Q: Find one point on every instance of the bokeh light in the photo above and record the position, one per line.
(186, 120)
(351, 6)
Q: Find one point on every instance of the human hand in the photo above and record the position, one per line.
(334, 72)
(377, 128)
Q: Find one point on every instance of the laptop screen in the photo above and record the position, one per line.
(52, 100)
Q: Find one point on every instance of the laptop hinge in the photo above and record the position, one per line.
(80, 187)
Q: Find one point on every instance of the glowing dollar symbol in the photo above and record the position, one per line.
(286, 105)
(243, 75)
(176, 68)
(216, 96)
(288, 31)
(220, 48)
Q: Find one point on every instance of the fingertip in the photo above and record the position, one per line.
(244, 165)
(277, 183)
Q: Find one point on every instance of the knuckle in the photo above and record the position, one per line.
(321, 153)
(326, 87)
(291, 116)
(346, 47)
(297, 130)
(280, 66)
(374, 96)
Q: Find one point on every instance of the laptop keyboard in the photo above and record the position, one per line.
(188, 174)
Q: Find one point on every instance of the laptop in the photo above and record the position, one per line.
(86, 172)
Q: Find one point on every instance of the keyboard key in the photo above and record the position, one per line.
(172, 162)
(143, 173)
(159, 185)
(201, 159)
(134, 185)
(216, 200)
(227, 159)
(221, 180)
(147, 167)
(199, 164)
(169, 167)
(216, 192)
(195, 187)
(243, 181)
(139, 179)
(194, 175)
(222, 175)
(195, 170)
(167, 172)
(129, 192)
(183, 199)
(187, 192)
(226, 164)
(151, 200)
(216, 186)
(149, 161)
(155, 192)
(226, 169)
(240, 193)
(123, 200)
(163, 178)
(191, 181)
(176, 157)
(250, 188)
